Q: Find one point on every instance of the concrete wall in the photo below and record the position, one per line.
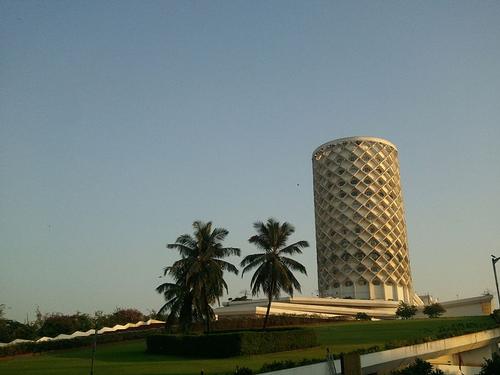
(472, 347)
(316, 369)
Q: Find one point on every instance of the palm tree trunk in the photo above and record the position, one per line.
(270, 297)
(207, 315)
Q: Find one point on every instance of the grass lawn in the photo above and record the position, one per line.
(129, 358)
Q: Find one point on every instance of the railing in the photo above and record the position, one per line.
(330, 360)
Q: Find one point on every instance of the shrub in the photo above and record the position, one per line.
(243, 371)
(434, 310)
(491, 366)
(496, 315)
(249, 323)
(281, 365)
(362, 316)
(277, 365)
(419, 367)
(228, 344)
(406, 311)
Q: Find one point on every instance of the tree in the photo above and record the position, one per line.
(434, 310)
(406, 311)
(126, 315)
(55, 324)
(11, 330)
(200, 271)
(179, 301)
(274, 269)
(491, 366)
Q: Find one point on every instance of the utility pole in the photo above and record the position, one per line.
(494, 260)
(94, 344)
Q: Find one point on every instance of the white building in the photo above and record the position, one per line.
(362, 247)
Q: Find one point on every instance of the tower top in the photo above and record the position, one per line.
(352, 139)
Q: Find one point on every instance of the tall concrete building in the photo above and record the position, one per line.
(362, 246)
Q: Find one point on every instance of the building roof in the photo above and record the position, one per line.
(350, 139)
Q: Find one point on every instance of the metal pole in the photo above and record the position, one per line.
(94, 344)
(493, 261)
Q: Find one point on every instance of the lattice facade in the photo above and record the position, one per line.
(362, 247)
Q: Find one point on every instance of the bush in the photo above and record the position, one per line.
(406, 311)
(362, 316)
(491, 366)
(243, 371)
(419, 367)
(228, 344)
(434, 311)
(250, 323)
(278, 365)
(496, 315)
(281, 365)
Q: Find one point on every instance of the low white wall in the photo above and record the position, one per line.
(316, 369)
(90, 332)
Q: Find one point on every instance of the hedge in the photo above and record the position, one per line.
(44, 346)
(229, 344)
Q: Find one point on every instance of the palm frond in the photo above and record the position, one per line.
(293, 264)
(294, 248)
(218, 234)
(183, 249)
(228, 251)
(251, 258)
(226, 266)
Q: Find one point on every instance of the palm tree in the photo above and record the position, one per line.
(201, 267)
(274, 270)
(179, 301)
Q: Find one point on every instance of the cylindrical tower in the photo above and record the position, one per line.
(362, 247)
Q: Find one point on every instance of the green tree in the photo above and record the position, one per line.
(274, 269)
(126, 315)
(56, 323)
(406, 311)
(491, 366)
(200, 271)
(179, 301)
(434, 310)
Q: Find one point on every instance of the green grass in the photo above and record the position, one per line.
(129, 358)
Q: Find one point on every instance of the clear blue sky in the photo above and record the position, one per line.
(122, 122)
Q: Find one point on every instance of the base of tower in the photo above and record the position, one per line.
(344, 307)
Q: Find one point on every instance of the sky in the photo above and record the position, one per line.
(122, 122)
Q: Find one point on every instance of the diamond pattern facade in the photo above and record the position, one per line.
(362, 247)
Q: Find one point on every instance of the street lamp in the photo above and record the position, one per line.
(494, 260)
